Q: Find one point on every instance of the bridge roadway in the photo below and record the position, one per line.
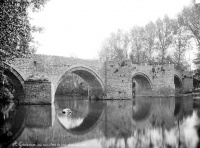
(37, 78)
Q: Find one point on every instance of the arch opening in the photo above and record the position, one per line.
(178, 85)
(141, 85)
(86, 80)
(15, 81)
(72, 85)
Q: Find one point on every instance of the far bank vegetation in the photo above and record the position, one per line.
(72, 85)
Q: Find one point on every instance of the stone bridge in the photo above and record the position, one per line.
(37, 78)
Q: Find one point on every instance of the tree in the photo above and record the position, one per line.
(169, 59)
(163, 36)
(180, 44)
(15, 29)
(136, 36)
(15, 35)
(115, 47)
(149, 39)
(190, 18)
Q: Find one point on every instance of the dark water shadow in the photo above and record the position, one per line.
(12, 123)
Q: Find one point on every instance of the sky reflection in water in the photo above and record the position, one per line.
(141, 122)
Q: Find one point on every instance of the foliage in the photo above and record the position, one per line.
(149, 39)
(115, 47)
(190, 18)
(38, 78)
(6, 89)
(164, 36)
(197, 60)
(180, 43)
(161, 42)
(136, 35)
(15, 34)
(72, 85)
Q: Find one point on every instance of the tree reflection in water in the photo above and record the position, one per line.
(11, 123)
(155, 124)
(135, 123)
(6, 117)
(142, 123)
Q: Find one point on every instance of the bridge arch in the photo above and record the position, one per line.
(178, 84)
(91, 77)
(15, 77)
(141, 84)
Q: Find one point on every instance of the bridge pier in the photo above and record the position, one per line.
(95, 93)
(39, 92)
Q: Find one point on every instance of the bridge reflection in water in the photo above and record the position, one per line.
(85, 115)
(142, 122)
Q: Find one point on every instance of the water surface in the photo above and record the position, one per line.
(141, 122)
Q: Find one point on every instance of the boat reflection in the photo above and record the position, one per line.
(84, 117)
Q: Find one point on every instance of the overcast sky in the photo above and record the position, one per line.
(78, 27)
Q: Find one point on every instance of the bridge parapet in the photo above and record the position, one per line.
(51, 66)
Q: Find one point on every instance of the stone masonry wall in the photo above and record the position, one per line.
(187, 81)
(160, 77)
(39, 92)
(118, 79)
(164, 80)
(52, 66)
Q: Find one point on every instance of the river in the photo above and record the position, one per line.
(137, 123)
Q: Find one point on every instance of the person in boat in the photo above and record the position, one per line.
(67, 111)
